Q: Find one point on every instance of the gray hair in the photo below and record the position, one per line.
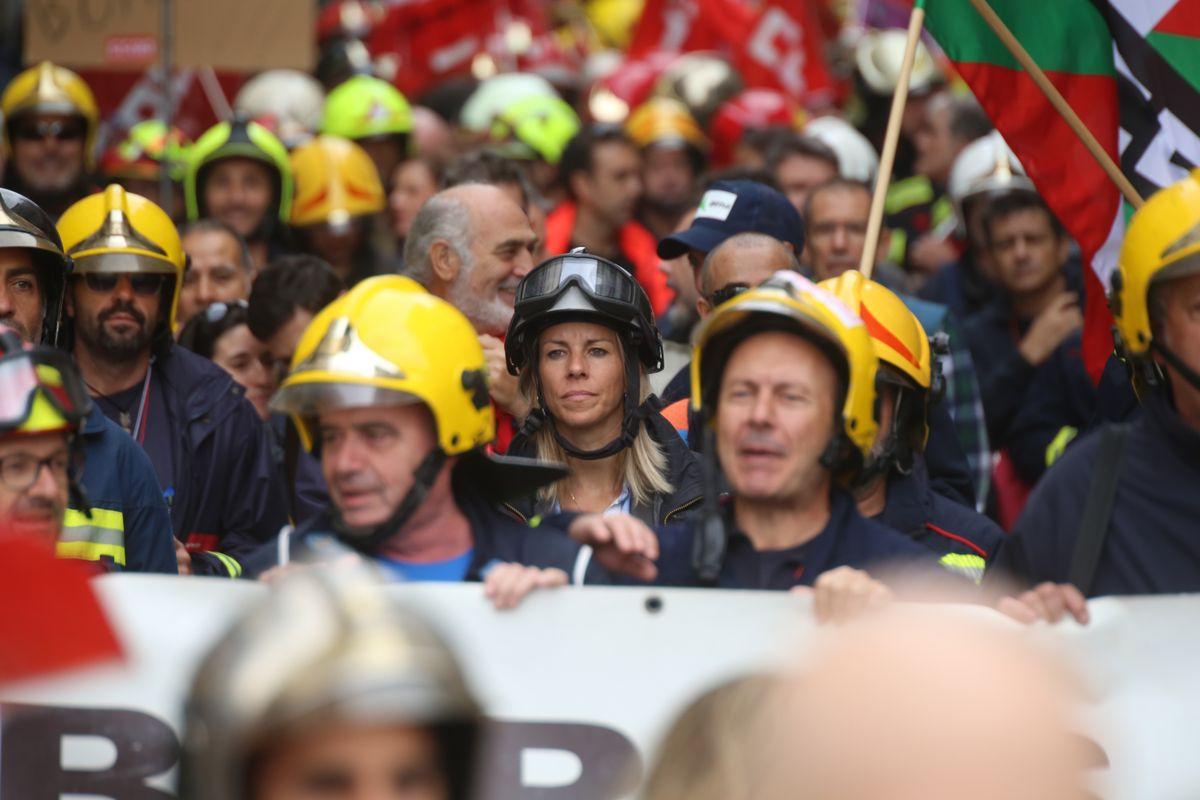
(443, 217)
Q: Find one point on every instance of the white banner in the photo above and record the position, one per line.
(582, 682)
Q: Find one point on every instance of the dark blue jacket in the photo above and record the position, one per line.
(128, 527)
(847, 540)
(307, 490)
(498, 538)
(1153, 543)
(1062, 395)
(959, 286)
(227, 496)
(964, 541)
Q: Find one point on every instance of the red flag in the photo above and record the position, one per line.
(672, 26)
(784, 49)
(53, 620)
(432, 40)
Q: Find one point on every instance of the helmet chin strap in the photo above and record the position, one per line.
(1190, 375)
(635, 414)
(369, 542)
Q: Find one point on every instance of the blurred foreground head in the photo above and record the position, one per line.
(931, 704)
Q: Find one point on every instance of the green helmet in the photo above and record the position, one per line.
(543, 124)
(364, 107)
(236, 139)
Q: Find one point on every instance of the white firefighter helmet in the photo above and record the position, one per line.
(878, 55)
(857, 159)
(985, 166)
(497, 94)
(286, 101)
(327, 645)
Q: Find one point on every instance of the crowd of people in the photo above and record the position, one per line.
(515, 336)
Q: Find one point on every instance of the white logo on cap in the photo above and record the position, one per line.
(716, 204)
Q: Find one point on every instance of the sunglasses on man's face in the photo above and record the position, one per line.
(57, 129)
(145, 284)
(725, 293)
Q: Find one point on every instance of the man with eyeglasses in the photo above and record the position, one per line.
(127, 526)
(208, 447)
(50, 119)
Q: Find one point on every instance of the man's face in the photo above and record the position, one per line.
(116, 313)
(20, 295)
(413, 184)
(837, 230)
(613, 186)
(1180, 331)
(353, 762)
(215, 272)
(774, 418)
(667, 177)
(368, 456)
(282, 345)
(239, 191)
(936, 147)
(746, 267)
(680, 275)
(335, 245)
(386, 153)
(800, 174)
(501, 254)
(48, 150)
(1027, 253)
(33, 496)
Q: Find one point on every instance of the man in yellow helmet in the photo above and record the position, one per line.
(208, 447)
(1117, 513)
(50, 119)
(894, 487)
(784, 376)
(42, 407)
(389, 384)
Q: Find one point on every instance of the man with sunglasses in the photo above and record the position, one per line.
(50, 126)
(208, 447)
(128, 526)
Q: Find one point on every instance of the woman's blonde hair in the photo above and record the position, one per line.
(643, 465)
(714, 749)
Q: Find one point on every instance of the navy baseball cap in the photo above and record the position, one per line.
(732, 207)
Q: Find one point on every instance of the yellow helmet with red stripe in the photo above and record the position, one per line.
(336, 181)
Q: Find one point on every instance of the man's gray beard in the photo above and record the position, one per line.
(491, 317)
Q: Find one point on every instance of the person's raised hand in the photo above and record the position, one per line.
(502, 386)
(621, 543)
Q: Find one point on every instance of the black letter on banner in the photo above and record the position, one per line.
(612, 766)
(31, 752)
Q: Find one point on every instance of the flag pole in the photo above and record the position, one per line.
(887, 158)
(1058, 101)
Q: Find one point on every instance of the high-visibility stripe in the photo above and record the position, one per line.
(1059, 443)
(90, 551)
(968, 565)
(230, 563)
(100, 518)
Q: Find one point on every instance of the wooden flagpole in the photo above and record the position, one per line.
(1058, 101)
(888, 157)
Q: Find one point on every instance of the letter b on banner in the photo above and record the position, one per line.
(32, 747)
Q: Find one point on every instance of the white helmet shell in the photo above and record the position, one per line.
(286, 100)
(986, 165)
(857, 159)
(496, 94)
(878, 56)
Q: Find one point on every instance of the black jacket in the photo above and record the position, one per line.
(1153, 541)
(683, 471)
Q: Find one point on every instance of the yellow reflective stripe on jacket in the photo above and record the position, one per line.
(90, 551)
(93, 537)
(970, 566)
(230, 563)
(912, 191)
(1059, 443)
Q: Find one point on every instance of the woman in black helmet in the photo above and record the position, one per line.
(583, 340)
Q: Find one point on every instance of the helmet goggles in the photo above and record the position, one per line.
(24, 373)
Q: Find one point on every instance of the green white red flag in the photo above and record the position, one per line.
(1129, 68)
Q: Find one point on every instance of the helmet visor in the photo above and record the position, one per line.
(602, 282)
(24, 373)
(310, 399)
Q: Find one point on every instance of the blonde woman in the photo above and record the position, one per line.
(583, 341)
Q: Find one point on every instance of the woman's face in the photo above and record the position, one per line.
(583, 380)
(413, 184)
(244, 357)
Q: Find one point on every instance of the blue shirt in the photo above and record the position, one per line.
(450, 570)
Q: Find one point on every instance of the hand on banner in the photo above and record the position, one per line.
(1046, 601)
(621, 543)
(501, 385)
(183, 559)
(506, 585)
(842, 594)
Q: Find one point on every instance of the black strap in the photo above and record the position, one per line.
(291, 463)
(1097, 511)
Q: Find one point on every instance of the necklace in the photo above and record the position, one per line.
(124, 417)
